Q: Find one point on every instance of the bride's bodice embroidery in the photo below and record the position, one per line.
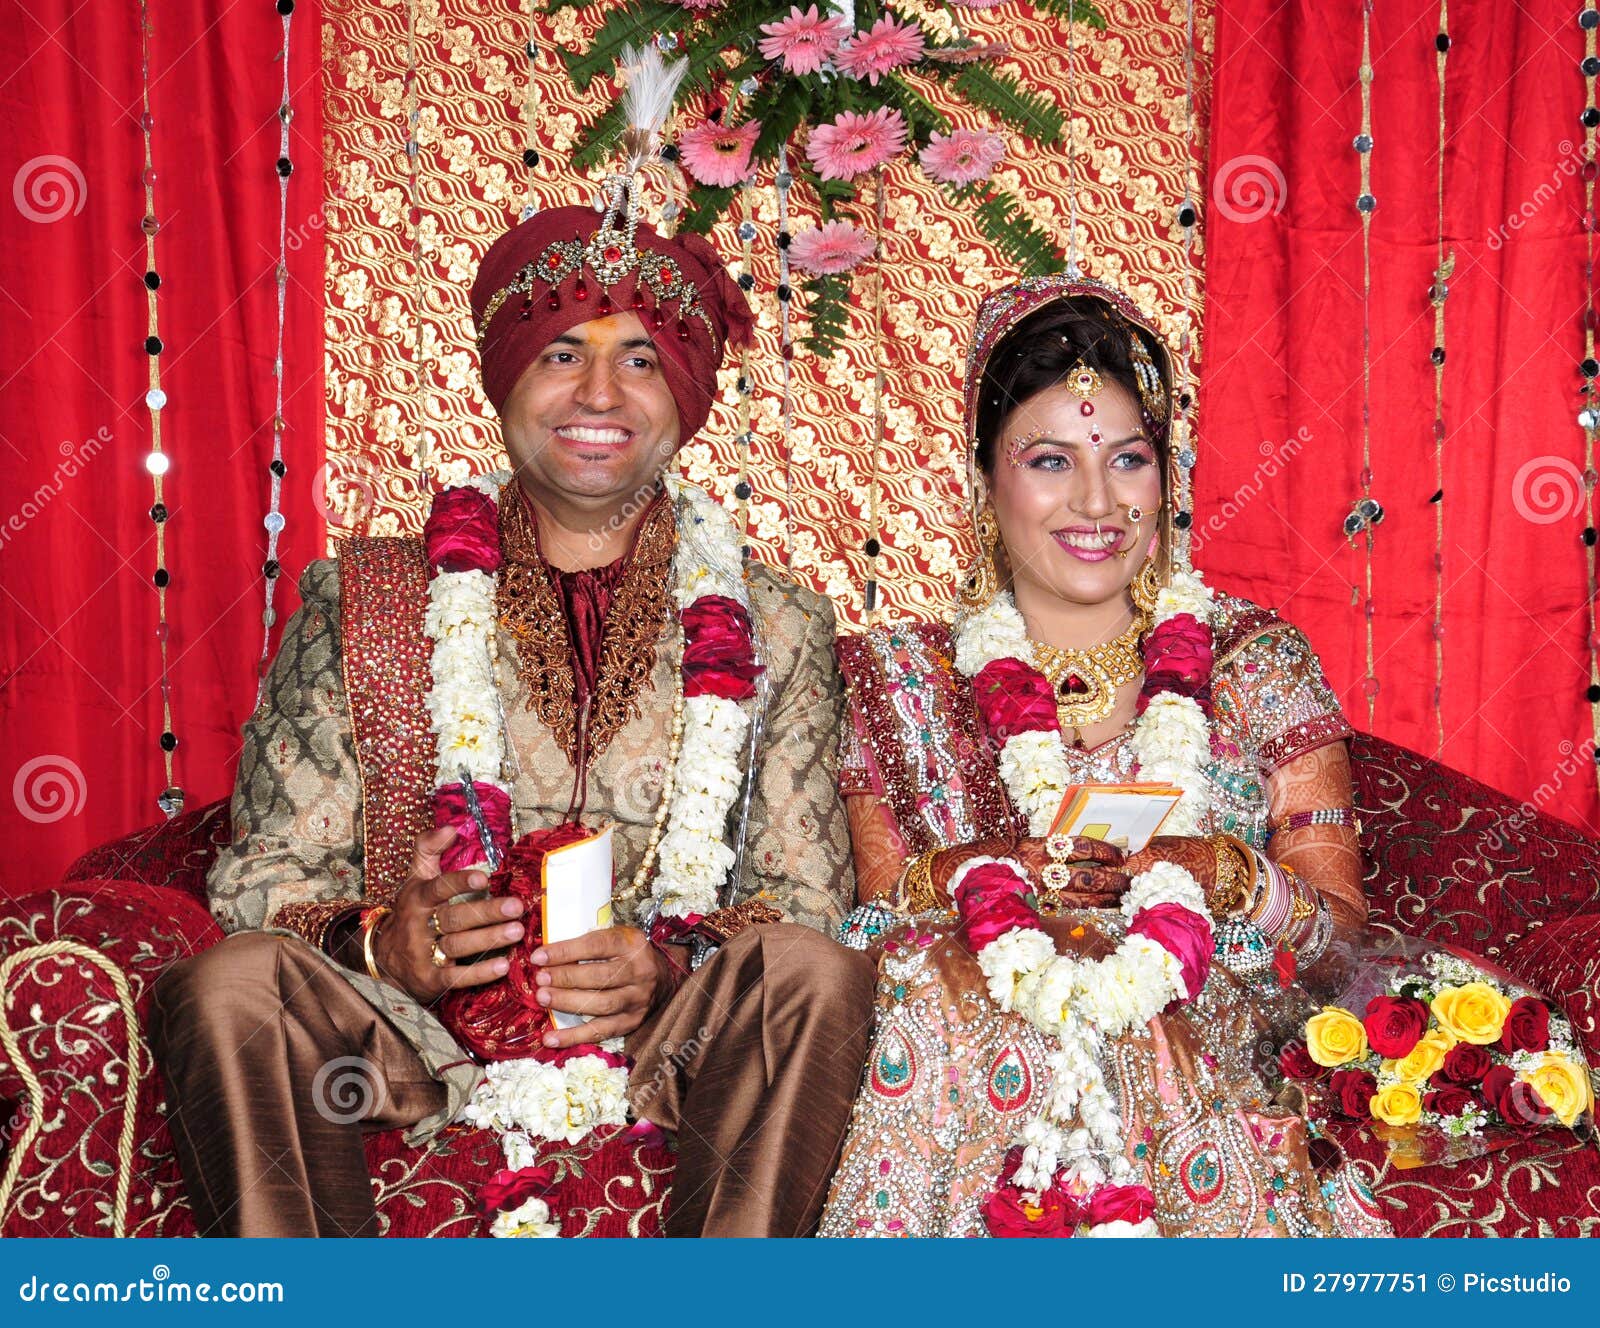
(915, 739)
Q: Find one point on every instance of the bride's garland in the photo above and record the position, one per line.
(1063, 1177)
(568, 1094)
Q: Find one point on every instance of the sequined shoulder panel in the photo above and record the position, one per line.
(919, 720)
(383, 593)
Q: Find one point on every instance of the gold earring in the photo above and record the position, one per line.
(1146, 587)
(984, 582)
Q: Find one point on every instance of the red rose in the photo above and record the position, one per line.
(1121, 1203)
(1009, 1213)
(462, 533)
(1450, 1100)
(1178, 658)
(991, 903)
(1295, 1062)
(1395, 1024)
(450, 808)
(1515, 1100)
(509, 1189)
(1466, 1063)
(718, 649)
(1527, 1025)
(1353, 1090)
(1184, 934)
(1014, 698)
(561, 1055)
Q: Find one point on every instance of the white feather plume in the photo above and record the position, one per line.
(652, 84)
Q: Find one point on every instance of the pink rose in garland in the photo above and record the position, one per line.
(854, 143)
(1009, 1213)
(509, 1189)
(991, 903)
(1395, 1024)
(1121, 1203)
(1184, 934)
(718, 657)
(462, 533)
(803, 41)
(450, 808)
(1014, 698)
(718, 156)
(1178, 659)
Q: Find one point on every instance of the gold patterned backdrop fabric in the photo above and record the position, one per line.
(406, 229)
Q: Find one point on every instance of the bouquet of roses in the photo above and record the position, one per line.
(1446, 1060)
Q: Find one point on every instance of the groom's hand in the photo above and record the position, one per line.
(613, 974)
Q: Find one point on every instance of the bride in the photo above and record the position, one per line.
(1067, 1041)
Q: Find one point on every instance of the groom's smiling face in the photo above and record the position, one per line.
(592, 419)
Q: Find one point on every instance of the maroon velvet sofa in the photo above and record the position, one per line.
(87, 1152)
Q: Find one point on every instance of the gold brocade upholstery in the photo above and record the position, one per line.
(399, 335)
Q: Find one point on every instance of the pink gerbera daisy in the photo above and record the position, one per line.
(962, 155)
(855, 143)
(887, 45)
(803, 41)
(716, 155)
(831, 248)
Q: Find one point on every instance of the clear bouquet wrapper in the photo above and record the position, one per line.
(1441, 1054)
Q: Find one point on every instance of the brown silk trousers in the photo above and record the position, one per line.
(753, 1064)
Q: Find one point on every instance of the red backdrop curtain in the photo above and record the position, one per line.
(80, 705)
(1283, 353)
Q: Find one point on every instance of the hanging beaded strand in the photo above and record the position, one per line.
(156, 461)
(530, 116)
(411, 108)
(273, 520)
(1589, 416)
(1365, 204)
(742, 490)
(873, 547)
(1437, 294)
(782, 181)
(1181, 440)
(1072, 151)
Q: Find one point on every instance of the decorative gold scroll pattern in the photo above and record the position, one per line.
(472, 85)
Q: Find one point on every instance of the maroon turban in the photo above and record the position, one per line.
(680, 291)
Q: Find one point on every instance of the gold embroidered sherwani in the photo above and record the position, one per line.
(297, 808)
(317, 830)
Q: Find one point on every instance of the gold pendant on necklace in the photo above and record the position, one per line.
(1086, 681)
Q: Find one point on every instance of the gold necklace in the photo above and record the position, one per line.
(1085, 681)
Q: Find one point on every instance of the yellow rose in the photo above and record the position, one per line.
(1398, 1104)
(1475, 1012)
(1562, 1085)
(1334, 1036)
(1424, 1058)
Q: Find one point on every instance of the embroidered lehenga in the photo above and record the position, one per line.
(951, 1079)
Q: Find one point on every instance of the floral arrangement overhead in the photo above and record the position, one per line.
(825, 97)
(1447, 1063)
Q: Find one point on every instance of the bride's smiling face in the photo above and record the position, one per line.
(1066, 487)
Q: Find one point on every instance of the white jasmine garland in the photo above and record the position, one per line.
(464, 703)
(530, 1219)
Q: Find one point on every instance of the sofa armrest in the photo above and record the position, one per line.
(90, 1154)
(1562, 960)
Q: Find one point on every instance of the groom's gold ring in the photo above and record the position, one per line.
(434, 929)
(437, 956)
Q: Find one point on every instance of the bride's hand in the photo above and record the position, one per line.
(1196, 856)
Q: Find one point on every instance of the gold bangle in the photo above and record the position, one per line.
(370, 921)
(1234, 875)
(917, 893)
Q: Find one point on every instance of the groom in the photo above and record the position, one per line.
(599, 350)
